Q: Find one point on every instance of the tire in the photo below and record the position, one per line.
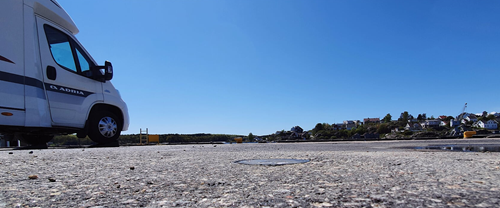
(104, 127)
(36, 139)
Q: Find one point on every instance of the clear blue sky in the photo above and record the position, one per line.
(235, 67)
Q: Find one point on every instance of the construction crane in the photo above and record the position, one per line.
(457, 131)
(461, 115)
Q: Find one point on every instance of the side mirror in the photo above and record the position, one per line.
(108, 70)
(102, 73)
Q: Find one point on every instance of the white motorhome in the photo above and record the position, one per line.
(49, 83)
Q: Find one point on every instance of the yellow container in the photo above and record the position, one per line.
(469, 134)
(238, 140)
(154, 138)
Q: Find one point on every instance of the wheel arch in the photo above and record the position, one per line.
(105, 107)
(97, 108)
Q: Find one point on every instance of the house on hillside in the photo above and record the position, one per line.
(302, 135)
(413, 127)
(349, 124)
(469, 118)
(371, 120)
(454, 123)
(338, 126)
(413, 120)
(465, 114)
(430, 123)
(442, 117)
(444, 123)
(490, 124)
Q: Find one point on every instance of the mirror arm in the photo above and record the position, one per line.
(96, 73)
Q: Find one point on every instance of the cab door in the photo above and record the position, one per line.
(69, 80)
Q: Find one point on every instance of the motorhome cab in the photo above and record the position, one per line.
(49, 83)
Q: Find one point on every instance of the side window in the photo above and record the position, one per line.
(60, 48)
(84, 64)
(67, 53)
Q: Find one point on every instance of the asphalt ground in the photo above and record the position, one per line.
(338, 174)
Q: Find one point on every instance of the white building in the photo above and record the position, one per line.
(454, 123)
(349, 124)
(471, 118)
(413, 127)
(430, 123)
(490, 124)
(444, 123)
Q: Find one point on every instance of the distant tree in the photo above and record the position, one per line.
(387, 118)
(485, 114)
(251, 137)
(327, 126)
(319, 127)
(419, 117)
(490, 117)
(405, 116)
(424, 116)
(343, 133)
(383, 129)
(360, 130)
(432, 118)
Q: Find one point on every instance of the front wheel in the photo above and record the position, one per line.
(104, 127)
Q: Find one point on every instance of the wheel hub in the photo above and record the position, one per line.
(108, 127)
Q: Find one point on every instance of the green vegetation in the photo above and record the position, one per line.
(70, 139)
(181, 138)
(325, 131)
(387, 118)
(250, 137)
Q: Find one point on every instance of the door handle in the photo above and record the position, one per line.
(51, 73)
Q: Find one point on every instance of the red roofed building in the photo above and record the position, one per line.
(371, 120)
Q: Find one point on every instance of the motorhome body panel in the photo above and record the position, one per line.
(11, 63)
(36, 99)
(52, 10)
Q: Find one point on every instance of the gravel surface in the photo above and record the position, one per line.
(339, 174)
